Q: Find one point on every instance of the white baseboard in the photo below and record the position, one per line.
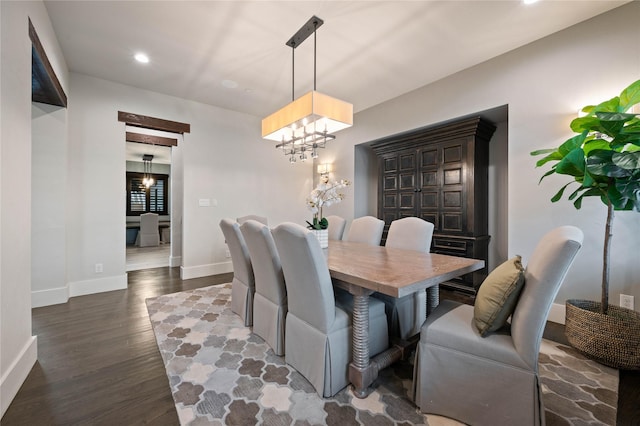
(99, 285)
(17, 373)
(175, 261)
(557, 313)
(52, 296)
(205, 270)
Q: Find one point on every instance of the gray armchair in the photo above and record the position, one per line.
(336, 227)
(270, 298)
(149, 235)
(493, 380)
(406, 314)
(318, 331)
(243, 284)
(367, 230)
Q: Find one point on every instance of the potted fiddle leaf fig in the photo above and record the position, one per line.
(603, 161)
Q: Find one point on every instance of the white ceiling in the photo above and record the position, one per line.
(367, 51)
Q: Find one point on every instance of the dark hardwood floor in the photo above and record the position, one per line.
(98, 363)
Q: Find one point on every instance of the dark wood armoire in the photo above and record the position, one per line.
(440, 174)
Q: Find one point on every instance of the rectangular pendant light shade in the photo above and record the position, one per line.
(312, 112)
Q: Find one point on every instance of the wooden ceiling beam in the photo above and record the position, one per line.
(149, 139)
(147, 122)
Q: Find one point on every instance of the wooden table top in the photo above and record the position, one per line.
(392, 271)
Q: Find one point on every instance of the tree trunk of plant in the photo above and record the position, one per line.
(605, 261)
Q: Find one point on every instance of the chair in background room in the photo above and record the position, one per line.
(243, 284)
(149, 235)
(406, 314)
(493, 380)
(366, 229)
(336, 227)
(318, 331)
(260, 219)
(270, 298)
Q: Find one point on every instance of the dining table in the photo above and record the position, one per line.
(363, 269)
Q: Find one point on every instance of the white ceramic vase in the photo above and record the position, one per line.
(323, 237)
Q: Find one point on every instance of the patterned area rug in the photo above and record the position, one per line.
(222, 374)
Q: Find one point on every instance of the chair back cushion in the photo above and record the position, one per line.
(260, 219)
(309, 289)
(336, 227)
(543, 276)
(367, 230)
(410, 233)
(265, 261)
(242, 268)
(149, 223)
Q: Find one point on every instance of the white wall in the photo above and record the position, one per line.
(543, 84)
(223, 159)
(18, 349)
(48, 198)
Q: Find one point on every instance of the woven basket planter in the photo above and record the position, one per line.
(612, 339)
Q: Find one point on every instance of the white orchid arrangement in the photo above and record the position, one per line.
(324, 195)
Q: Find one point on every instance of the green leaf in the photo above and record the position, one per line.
(585, 124)
(626, 160)
(550, 172)
(572, 164)
(554, 156)
(631, 95)
(594, 144)
(559, 193)
(542, 151)
(615, 116)
(572, 143)
(600, 163)
(612, 105)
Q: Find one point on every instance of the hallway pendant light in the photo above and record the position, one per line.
(306, 123)
(147, 179)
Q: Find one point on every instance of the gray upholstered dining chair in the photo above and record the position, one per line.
(318, 331)
(243, 284)
(366, 229)
(260, 219)
(149, 234)
(493, 380)
(406, 314)
(336, 227)
(270, 298)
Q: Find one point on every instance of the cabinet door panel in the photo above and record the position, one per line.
(408, 200)
(453, 176)
(390, 201)
(452, 199)
(452, 153)
(429, 157)
(429, 178)
(390, 164)
(408, 161)
(407, 181)
(429, 200)
(390, 183)
(452, 222)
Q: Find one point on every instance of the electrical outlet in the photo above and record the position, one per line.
(227, 253)
(626, 301)
(99, 269)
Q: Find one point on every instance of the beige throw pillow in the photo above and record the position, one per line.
(498, 295)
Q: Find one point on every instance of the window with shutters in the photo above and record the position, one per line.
(141, 199)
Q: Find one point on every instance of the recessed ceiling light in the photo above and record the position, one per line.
(529, 1)
(142, 58)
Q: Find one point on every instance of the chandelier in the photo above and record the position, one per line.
(147, 179)
(306, 123)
